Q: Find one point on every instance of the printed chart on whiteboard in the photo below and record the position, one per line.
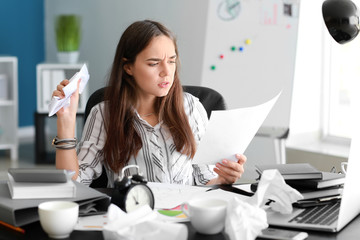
(250, 52)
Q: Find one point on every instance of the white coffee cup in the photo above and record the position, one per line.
(207, 216)
(58, 218)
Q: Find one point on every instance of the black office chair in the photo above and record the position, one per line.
(211, 100)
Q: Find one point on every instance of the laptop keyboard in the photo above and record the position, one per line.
(321, 215)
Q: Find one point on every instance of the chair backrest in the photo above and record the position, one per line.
(211, 100)
(95, 98)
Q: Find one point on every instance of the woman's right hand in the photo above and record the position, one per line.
(66, 124)
(66, 116)
(74, 99)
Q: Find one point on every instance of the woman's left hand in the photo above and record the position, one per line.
(229, 171)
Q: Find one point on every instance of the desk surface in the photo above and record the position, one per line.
(34, 231)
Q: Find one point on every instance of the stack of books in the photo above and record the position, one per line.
(315, 186)
(40, 183)
(24, 208)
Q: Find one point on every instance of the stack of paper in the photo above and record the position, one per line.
(328, 179)
(317, 187)
(24, 211)
(321, 193)
(292, 171)
(40, 190)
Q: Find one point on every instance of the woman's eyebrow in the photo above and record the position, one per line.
(159, 59)
(153, 59)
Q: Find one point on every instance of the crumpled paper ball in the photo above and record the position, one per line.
(244, 221)
(141, 224)
(246, 218)
(272, 186)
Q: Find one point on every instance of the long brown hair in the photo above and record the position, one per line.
(122, 139)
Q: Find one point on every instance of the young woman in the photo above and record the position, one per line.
(146, 119)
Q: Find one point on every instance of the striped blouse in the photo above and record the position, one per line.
(158, 159)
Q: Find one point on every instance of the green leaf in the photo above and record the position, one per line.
(68, 32)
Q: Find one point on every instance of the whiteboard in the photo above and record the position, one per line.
(250, 50)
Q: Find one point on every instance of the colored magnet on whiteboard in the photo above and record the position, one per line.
(221, 56)
(241, 49)
(248, 41)
(233, 48)
(212, 67)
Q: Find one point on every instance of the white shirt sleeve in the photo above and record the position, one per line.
(90, 148)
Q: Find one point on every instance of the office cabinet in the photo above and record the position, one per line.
(45, 131)
(9, 105)
(48, 76)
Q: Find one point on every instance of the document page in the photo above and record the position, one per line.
(230, 132)
(172, 195)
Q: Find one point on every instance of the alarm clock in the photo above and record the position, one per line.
(131, 192)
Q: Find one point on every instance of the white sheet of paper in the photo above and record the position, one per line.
(230, 132)
(168, 195)
(92, 223)
(172, 195)
(56, 103)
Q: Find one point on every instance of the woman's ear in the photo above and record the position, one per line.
(127, 68)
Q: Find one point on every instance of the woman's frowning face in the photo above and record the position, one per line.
(154, 68)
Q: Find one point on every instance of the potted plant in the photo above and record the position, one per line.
(68, 34)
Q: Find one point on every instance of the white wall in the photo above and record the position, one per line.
(105, 20)
(305, 109)
(305, 143)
